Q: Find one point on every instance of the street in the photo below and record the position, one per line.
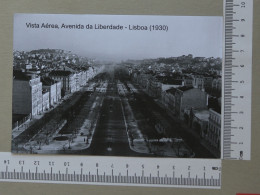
(113, 117)
(110, 136)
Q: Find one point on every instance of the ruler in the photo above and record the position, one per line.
(237, 75)
(169, 172)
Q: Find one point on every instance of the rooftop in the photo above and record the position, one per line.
(171, 90)
(185, 88)
(19, 75)
(202, 114)
(47, 81)
(60, 73)
(170, 81)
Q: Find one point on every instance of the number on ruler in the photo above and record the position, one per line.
(239, 49)
(66, 164)
(6, 162)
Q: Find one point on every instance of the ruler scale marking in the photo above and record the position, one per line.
(75, 175)
(234, 44)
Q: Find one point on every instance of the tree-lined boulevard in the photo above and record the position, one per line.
(110, 119)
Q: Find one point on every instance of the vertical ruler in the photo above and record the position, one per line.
(236, 105)
(162, 172)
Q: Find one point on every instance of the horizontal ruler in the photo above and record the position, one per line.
(237, 75)
(193, 173)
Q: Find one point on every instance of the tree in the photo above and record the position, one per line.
(47, 136)
(131, 138)
(31, 149)
(16, 146)
(39, 144)
(70, 140)
(159, 136)
(178, 144)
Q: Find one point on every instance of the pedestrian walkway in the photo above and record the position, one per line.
(135, 137)
(35, 118)
(185, 127)
(162, 147)
(70, 142)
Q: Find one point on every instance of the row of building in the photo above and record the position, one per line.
(187, 99)
(157, 84)
(34, 94)
(72, 80)
(207, 123)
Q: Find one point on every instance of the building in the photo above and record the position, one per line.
(83, 78)
(216, 87)
(66, 68)
(80, 75)
(214, 129)
(172, 84)
(198, 82)
(154, 88)
(90, 73)
(168, 99)
(208, 83)
(58, 91)
(188, 80)
(189, 97)
(67, 79)
(77, 80)
(51, 86)
(198, 120)
(142, 80)
(45, 100)
(27, 94)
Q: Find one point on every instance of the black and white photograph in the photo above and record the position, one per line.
(117, 85)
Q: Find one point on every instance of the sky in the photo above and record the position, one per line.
(200, 36)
